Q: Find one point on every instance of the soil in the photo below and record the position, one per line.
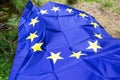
(109, 20)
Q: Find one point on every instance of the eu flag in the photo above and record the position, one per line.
(58, 42)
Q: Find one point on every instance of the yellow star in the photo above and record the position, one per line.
(69, 10)
(55, 57)
(77, 55)
(43, 12)
(83, 15)
(37, 47)
(94, 24)
(32, 36)
(94, 46)
(98, 36)
(34, 21)
(55, 8)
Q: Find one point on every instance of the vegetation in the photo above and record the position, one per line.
(10, 17)
(8, 41)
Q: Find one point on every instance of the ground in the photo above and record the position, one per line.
(108, 19)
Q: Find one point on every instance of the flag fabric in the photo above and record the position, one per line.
(58, 42)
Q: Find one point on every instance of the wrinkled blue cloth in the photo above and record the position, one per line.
(64, 31)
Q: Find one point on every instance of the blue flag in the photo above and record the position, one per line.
(58, 42)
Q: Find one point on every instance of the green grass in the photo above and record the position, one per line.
(7, 51)
(108, 3)
(90, 0)
(110, 6)
(5, 66)
(20, 4)
(8, 42)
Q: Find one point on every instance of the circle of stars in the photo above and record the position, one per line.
(56, 56)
